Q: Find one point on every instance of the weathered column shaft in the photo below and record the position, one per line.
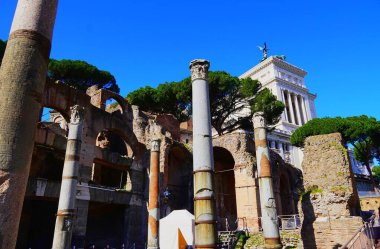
(66, 206)
(22, 81)
(154, 194)
(267, 199)
(204, 200)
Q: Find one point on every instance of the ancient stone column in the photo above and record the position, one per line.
(22, 81)
(154, 194)
(66, 205)
(267, 199)
(204, 200)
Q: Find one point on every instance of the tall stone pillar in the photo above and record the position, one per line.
(291, 108)
(154, 193)
(296, 104)
(267, 198)
(22, 81)
(204, 200)
(66, 206)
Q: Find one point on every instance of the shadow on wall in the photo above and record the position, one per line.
(307, 229)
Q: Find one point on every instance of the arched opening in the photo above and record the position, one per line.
(114, 106)
(40, 205)
(178, 181)
(287, 201)
(225, 189)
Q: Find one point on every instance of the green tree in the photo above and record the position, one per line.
(229, 96)
(81, 75)
(362, 132)
(376, 171)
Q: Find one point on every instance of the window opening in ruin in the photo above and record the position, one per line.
(113, 168)
(225, 188)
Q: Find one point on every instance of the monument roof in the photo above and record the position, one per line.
(276, 61)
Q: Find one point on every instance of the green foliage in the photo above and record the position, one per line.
(376, 171)
(81, 75)
(229, 95)
(3, 44)
(353, 129)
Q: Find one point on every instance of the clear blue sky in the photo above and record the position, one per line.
(150, 42)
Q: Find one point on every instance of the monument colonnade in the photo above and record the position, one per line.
(296, 111)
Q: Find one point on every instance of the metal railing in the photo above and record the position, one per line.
(289, 222)
(363, 238)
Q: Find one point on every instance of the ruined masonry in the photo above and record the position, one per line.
(330, 201)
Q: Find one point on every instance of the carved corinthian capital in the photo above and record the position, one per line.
(258, 120)
(156, 145)
(77, 114)
(199, 69)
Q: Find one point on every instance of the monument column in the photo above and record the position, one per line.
(296, 104)
(153, 208)
(304, 109)
(291, 108)
(66, 205)
(267, 199)
(203, 160)
(284, 101)
(22, 82)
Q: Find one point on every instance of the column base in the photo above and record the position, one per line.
(272, 243)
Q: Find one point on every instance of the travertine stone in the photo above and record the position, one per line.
(330, 198)
(22, 81)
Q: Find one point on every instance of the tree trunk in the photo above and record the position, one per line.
(371, 177)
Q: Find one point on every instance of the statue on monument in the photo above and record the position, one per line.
(264, 50)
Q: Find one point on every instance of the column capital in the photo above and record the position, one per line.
(156, 145)
(258, 120)
(199, 69)
(77, 114)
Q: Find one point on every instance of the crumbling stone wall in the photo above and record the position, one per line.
(330, 199)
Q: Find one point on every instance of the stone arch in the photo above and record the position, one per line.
(225, 193)
(178, 179)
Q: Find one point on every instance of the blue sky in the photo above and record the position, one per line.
(150, 42)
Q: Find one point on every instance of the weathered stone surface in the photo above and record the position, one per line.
(330, 198)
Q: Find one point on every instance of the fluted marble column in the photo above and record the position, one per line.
(267, 199)
(296, 104)
(304, 109)
(154, 208)
(22, 82)
(203, 160)
(291, 108)
(66, 205)
(284, 101)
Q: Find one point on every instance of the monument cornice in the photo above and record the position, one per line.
(277, 62)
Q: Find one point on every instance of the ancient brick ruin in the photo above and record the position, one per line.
(330, 202)
(112, 193)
